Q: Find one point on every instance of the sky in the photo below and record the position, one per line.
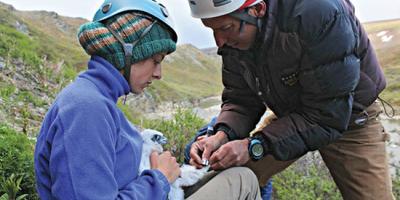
(191, 30)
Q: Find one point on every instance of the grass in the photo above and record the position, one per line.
(209, 102)
(388, 55)
(190, 74)
(392, 91)
(14, 44)
(29, 97)
(57, 44)
(6, 90)
(382, 25)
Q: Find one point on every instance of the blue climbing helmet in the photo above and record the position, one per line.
(150, 7)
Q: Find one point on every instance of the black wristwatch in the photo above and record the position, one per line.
(256, 148)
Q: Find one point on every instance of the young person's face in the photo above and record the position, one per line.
(144, 72)
(226, 31)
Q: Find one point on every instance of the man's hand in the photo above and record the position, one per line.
(205, 146)
(234, 153)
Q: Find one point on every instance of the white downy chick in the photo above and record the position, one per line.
(153, 141)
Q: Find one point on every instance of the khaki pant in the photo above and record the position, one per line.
(358, 162)
(236, 183)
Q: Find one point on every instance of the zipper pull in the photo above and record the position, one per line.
(258, 87)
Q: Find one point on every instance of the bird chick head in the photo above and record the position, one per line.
(153, 137)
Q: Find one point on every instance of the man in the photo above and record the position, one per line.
(311, 63)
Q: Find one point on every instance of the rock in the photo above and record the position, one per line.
(142, 103)
(21, 28)
(41, 111)
(7, 6)
(2, 63)
(62, 26)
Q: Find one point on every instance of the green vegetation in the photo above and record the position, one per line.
(188, 74)
(179, 130)
(300, 181)
(311, 182)
(27, 96)
(388, 54)
(392, 91)
(11, 187)
(396, 184)
(126, 110)
(16, 162)
(14, 44)
(382, 25)
(69, 73)
(6, 90)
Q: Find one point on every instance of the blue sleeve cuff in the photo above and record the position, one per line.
(161, 179)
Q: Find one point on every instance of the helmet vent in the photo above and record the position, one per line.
(192, 2)
(218, 3)
(164, 10)
(106, 8)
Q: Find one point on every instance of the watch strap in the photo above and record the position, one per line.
(230, 133)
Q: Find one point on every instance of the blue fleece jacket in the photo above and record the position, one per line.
(87, 149)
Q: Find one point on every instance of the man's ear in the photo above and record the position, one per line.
(258, 10)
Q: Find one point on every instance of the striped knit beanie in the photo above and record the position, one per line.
(96, 39)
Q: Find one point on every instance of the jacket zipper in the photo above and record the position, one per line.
(266, 102)
(268, 82)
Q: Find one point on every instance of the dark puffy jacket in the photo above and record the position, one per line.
(311, 61)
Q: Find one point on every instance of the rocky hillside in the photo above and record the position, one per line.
(39, 55)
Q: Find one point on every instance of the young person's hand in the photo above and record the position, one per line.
(166, 164)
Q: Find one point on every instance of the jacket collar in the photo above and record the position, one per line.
(265, 35)
(106, 77)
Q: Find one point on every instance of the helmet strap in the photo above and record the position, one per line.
(241, 28)
(128, 48)
(244, 17)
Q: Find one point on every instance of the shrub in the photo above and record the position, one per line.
(69, 73)
(16, 157)
(179, 130)
(305, 181)
(11, 187)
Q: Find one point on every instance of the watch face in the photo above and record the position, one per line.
(257, 150)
